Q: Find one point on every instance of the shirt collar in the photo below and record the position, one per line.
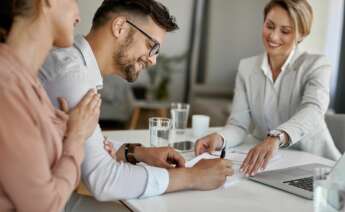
(90, 61)
(265, 67)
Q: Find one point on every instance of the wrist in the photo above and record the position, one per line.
(280, 137)
(74, 137)
(181, 179)
(273, 141)
(139, 153)
(129, 150)
(120, 154)
(194, 175)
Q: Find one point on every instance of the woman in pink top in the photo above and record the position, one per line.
(41, 148)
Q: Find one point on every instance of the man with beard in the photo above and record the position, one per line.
(125, 38)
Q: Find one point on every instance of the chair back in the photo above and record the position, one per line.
(336, 126)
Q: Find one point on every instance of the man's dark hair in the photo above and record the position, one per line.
(157, 11)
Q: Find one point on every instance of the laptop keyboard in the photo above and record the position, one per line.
(303, 183)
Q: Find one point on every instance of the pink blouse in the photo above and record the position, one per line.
(37, 172)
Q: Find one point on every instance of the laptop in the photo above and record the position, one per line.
(298, 180)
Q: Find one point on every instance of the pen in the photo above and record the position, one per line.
(222, 154)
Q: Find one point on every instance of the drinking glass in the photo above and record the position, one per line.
(329, 195)
(179, 116)
(159, 131)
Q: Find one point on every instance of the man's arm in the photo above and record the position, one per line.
(105, 178)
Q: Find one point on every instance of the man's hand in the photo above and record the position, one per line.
(210, 174)
(209, 143)
(108, 146)
(164, 157)
(204, 175)
(258, 157)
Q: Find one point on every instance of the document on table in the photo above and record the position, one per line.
(236, 156)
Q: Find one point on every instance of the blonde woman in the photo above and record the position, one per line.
(41, 148)
(284, 93)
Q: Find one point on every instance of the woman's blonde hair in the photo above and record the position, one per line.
(299, 11)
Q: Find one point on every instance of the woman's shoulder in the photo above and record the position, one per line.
(253, 60)
(310, 61)
(249, 64)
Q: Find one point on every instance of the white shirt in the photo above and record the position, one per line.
(70, 73)
(272, 91)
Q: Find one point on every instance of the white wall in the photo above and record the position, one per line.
(235, 33)
(87, 10)
(177, 43)
(316, 41)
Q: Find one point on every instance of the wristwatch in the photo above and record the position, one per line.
(281, 138)
(129, 152)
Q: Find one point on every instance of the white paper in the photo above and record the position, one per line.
(236, 156)
(230, 180)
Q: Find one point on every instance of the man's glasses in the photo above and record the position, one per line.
(156, 46)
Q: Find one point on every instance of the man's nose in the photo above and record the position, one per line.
(153, 60)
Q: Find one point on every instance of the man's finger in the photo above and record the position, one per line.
(178, 160)
(165, 164)
(229, 172)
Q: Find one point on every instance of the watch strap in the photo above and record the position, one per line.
(281, 138)
(129, 152)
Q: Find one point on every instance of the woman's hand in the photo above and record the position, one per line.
(83, 118)
(258, 157)
(209, 143)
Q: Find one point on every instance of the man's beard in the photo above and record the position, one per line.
(125, 64)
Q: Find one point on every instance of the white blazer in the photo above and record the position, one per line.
(302, 98)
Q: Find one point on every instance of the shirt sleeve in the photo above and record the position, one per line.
(26, 176)
(110, 180)
(314, 102)
(106, 178)
(238, 124)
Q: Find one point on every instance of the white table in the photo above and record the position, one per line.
(244, 195)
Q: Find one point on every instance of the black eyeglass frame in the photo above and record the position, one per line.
(156, 45)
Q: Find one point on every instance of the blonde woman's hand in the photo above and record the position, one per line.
(259, 156)
(210, 143)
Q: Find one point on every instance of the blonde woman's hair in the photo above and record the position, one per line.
(299, 11)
